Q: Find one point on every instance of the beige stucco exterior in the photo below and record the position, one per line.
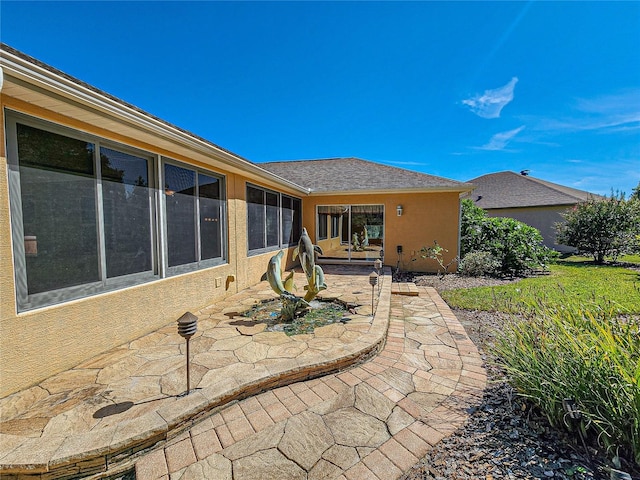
(39, 343)
(542, 218)
(426, 217)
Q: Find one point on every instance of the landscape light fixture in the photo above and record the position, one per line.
(378, 265)
(373, 281)
(574, 413)
(399, 210)
(187, 326)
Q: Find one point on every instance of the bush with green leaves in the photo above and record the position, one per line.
(516, 246)
(602, 227)
(587, 353)
(472, 219)
(479, 264)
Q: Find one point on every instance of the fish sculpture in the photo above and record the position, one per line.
(290, 303)
(308, 253)
(274, 275)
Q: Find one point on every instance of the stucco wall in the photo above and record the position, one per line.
(39, 343)
(426, 217)
(542, 218)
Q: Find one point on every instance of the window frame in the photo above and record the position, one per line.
(323, 226)
(158, 247)
(26, 301)
(296, 235)
(281, 241)
(198, 264)
(335, 226)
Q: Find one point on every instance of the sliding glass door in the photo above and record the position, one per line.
(350, 233)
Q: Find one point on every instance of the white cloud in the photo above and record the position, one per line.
(491, 102)
(606, 114)
(500, 140)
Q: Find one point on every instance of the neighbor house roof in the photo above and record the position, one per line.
(513, 190)
(354, 175)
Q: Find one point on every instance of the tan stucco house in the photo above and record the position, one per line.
(536, 202)
(114, 222)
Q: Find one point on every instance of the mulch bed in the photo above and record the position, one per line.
(506, 437)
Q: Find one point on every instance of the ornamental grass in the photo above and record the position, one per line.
(582, 350)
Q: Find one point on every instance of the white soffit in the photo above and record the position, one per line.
(61, 96)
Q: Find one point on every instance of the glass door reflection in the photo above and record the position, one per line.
(350, 233)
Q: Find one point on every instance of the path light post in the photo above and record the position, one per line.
(378, 265)
(373, 281)
(187, 326)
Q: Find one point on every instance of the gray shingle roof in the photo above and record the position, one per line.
(512, 190)
(354, 174)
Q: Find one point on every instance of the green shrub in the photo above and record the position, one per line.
(589, 354)
(479, 264)
(515, 245)
(602, 228)
(472, 220)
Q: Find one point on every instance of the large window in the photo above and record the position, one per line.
(127, 213)
(335, 225)
(84, 216)
(323, 220)
(194, 212)
(291, 220)
(273, 219)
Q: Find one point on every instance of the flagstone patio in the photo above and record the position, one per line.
(359, 399)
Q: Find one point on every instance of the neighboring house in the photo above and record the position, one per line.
(533, 201)
(114, 222)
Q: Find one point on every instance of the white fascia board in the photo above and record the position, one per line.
(396, 191)
(47, 80)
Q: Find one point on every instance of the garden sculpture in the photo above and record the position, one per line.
(308, 253)
(291, 304)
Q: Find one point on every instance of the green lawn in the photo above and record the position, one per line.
(571, 281)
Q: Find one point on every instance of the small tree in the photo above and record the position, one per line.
(635, 193)
(602, 228)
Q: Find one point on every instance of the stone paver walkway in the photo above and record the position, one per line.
(363, 398)
(373, 421)
(94, 416)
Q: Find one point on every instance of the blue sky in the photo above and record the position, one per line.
(453, 89)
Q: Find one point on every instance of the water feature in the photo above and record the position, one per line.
(318, 314)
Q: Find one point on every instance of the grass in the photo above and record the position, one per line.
(572, 278)
(577, 336)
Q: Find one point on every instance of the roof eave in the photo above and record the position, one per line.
(26, 72)
(542, 205)
(326, 193)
